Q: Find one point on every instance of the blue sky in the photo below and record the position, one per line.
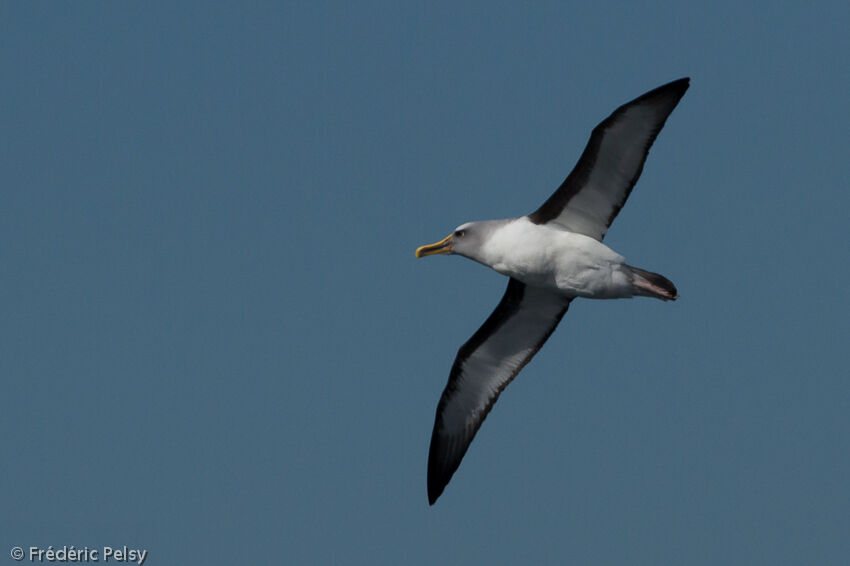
(216, 343)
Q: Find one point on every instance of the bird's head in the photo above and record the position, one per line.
(466, 240)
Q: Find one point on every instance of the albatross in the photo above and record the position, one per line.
(551, 256)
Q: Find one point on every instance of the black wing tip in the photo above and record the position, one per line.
(676, 88)
(441, 466)
(672, 92)
(680, 85)
(437, 482)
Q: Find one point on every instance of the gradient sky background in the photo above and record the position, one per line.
(216, 343)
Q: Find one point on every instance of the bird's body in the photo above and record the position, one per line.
(551, 256)
(555, 258)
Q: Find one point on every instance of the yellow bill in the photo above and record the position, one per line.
(444, 246)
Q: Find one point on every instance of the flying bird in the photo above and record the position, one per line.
(551, 256)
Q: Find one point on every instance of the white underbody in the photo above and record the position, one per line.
(547, 256)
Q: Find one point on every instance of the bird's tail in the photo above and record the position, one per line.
(648, 284)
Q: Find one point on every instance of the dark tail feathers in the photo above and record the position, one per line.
(648, 284)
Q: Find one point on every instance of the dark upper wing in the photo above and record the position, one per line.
(484, 366)
(598, 186)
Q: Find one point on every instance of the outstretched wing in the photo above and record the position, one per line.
(508, 339)
(598, 186)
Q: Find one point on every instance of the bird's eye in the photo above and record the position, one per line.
(459, 233)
